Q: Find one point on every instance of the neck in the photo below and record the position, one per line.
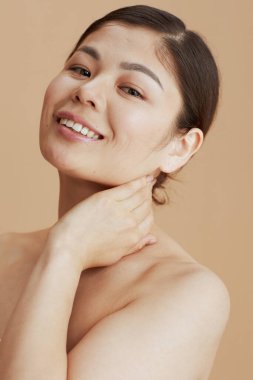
(73, 191)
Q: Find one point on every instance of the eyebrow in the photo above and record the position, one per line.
(123, 65)
(91, 51)
(142, 69)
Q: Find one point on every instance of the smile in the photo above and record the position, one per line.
(79, 128)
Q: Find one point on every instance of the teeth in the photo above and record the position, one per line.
(90, 134)
(79, 128)
(69, 123)
(84, 131)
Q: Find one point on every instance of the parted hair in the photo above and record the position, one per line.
(187, 54)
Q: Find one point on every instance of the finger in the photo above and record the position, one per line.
(126, 190)
(141, 213)
(138, 197)
(145, 226)
(146, 240)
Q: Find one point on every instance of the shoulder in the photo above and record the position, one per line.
(191, 307)
(178, 319)
(199, 288)
(17, 248)
(197, 304)
(178, 278)
(194, 300)
(6, 242)
(196, 287)
(183, 273)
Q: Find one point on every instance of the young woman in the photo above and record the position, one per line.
(104, 293)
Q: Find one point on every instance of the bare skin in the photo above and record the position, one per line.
(19, 253)
(105, 290)
(89, 298)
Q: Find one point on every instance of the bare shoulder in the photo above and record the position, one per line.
(191, 305)
(197, 287)
(6, 242)
(184, 280)
(5, 239)
(181, 273)
(178, 317)
(18, 250)
(9, 243)
(196, 304)
(13, 259)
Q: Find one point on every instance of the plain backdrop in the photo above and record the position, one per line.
(211, 207)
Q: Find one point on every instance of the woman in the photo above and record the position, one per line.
(104, 293)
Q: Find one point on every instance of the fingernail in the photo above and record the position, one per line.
(152, 241)
(149, 178)
(151, 184)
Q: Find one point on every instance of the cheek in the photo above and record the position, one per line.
(132, 123)
(57, 90)
(51, 91)
(143, 129)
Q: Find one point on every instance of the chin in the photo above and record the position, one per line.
(65, 168)
(106, 177)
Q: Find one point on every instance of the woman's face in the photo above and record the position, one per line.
(106, 84)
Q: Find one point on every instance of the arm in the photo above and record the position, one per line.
(34, 343)
(173, 333)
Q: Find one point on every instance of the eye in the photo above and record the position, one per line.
(131, 91)
(80, 70)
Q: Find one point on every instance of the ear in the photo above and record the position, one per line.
(180, 149)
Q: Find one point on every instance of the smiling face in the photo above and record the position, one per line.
(134, 108)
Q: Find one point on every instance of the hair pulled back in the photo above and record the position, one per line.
(193, 64)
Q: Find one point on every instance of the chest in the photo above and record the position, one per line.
(101, 291)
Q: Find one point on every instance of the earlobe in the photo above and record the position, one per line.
(181, 149)
(173, 163)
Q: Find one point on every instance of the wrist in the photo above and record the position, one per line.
(55, 254)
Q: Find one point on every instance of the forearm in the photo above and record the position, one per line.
(34, 343)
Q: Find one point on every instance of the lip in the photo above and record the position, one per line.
(70, 135)
(77, 119)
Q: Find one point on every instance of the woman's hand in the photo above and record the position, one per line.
(107, 226)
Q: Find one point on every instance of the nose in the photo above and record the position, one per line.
(91, 93)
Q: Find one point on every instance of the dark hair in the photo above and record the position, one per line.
(194, 67)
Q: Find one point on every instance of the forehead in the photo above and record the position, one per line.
(128, 43)
(118, 41)
(126, 35)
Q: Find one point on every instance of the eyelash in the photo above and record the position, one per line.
(79, 68)
(74, 68)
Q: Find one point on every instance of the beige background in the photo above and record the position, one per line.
(211, 209)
